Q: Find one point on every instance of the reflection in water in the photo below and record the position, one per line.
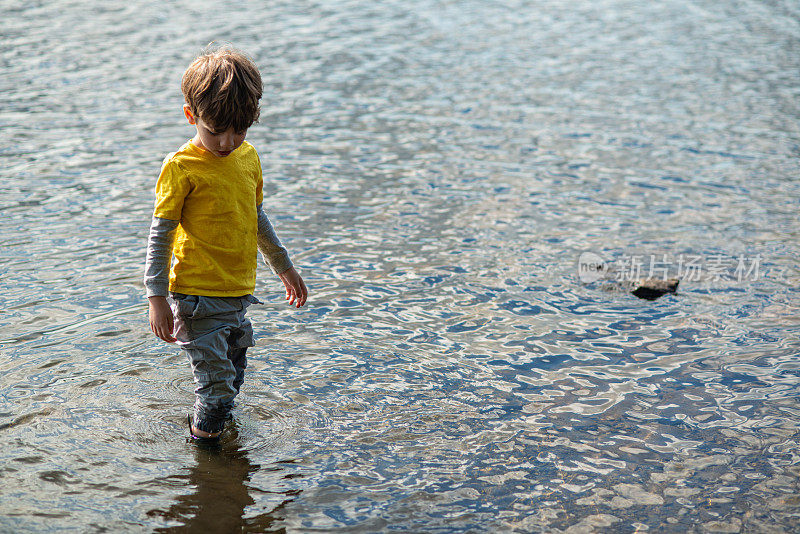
(220, 479)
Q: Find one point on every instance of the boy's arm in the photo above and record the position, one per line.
(156, 276)
(277, 257)
(275, 254)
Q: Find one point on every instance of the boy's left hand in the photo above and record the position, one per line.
(296, 291)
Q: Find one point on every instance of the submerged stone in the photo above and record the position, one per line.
(652, 288)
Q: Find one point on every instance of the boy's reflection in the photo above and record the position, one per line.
(221, 495)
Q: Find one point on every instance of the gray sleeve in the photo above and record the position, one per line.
(275, 254)
(159, 256)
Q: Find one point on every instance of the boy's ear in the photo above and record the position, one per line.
(188, 112)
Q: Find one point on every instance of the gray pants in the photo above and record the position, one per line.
(215, 334)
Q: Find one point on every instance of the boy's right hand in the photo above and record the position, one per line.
(161, 318)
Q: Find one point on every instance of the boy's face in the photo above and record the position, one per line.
(218, 143)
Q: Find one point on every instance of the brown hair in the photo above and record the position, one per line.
(222, 88)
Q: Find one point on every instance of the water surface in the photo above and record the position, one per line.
(436, 170)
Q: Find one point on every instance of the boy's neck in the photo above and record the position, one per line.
(198, 143)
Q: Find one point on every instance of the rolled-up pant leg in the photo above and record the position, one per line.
(215, 334)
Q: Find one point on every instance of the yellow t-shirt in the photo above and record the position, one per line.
(215, 201)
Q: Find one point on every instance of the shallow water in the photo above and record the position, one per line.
(436, 169)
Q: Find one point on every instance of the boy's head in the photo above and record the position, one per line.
(222, 89)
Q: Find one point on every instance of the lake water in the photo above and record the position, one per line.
(436, 169)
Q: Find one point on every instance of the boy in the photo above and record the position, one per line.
(208, 216)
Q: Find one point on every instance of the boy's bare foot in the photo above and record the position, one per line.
(203, 434)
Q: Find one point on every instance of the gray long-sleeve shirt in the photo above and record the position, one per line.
(159, 252)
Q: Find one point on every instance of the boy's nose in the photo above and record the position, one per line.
(226, 142)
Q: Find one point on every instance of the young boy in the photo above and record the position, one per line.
(208, 216)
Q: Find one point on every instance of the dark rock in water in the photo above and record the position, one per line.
(652, 288)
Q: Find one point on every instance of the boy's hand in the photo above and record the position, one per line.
(161, 318)
(296, 291)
